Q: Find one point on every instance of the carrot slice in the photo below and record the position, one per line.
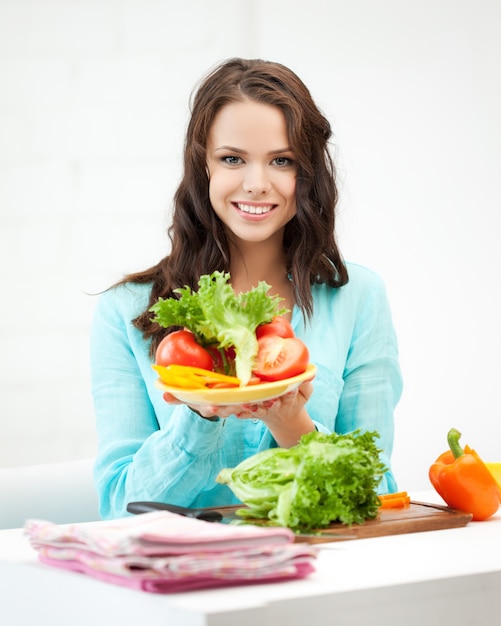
(221, 385)
(398, 500)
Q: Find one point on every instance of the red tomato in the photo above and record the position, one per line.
(181, 348)
(279, 326)
(280, 358)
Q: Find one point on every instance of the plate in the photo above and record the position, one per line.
(239, 395)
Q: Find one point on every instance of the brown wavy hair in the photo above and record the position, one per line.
(198, 241)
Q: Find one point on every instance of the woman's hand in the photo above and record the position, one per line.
(285, 416)
(207, 411)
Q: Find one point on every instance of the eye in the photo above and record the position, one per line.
(231, 160)
(283, 161)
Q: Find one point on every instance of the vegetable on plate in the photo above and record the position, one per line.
(278, 327)
(279, 357)
(189, 377)
(323, 479)
(463, 480)
(222, 331)
(181, 348)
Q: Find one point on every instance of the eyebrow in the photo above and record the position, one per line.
(240, 151)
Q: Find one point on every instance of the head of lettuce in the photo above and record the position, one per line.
(323, 479)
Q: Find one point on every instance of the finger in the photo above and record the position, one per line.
(244, 415)
(269, 403)
(207, 412)
(249, 408)
(306, 389)
(168, 397)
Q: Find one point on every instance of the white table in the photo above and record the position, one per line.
(419, 579)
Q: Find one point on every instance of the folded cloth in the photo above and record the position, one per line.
(159, 532)
(164, 552)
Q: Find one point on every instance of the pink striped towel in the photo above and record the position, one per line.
(164, 553)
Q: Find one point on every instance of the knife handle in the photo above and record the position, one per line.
(208, 515)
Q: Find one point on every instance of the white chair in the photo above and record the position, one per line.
(59, 492)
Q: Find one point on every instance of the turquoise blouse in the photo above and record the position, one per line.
(150, 450)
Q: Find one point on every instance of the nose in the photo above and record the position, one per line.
(256, 180)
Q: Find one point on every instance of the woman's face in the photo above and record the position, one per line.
(252, 170)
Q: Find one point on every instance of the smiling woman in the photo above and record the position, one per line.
(257, 201)
(252, 176)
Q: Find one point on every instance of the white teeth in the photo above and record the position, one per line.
(257, 210)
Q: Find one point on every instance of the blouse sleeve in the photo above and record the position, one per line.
(137, 458)
(372, 378)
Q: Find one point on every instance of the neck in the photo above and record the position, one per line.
(252, 263)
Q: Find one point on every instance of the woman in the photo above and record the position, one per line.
(257, 199)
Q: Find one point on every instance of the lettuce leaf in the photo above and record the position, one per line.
(217, 315)
(323, 479)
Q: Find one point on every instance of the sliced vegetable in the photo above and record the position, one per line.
(398, 500)
(495, 470)
(187, 377)
(279, 358)
(180, 347)
(215, 314)
(324, 478)
(462, 479)
(279, 326)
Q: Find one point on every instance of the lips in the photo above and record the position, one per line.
(254, 209)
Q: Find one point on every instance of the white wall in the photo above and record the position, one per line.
(93, 103)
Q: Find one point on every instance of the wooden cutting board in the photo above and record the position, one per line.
(417, 517)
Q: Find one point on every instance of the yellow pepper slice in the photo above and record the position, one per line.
(188, 377)
(173, 379)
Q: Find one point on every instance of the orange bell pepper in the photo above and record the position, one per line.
(462, 479)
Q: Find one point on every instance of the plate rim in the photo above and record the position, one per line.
(308, 374)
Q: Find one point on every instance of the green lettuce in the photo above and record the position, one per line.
(323, 479)
(217, 315)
